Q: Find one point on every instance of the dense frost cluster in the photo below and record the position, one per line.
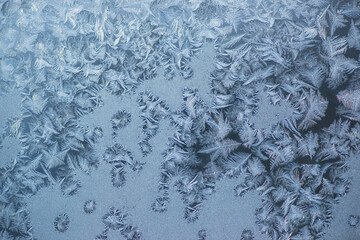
(284, 110)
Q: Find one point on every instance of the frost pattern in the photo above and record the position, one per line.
(119, 157)
(89, 206)
(120, 120)
(353, 220)
(61, 222)
(284, 110)
(247, 235)
(116, 220)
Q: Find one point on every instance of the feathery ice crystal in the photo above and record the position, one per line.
(284, 112)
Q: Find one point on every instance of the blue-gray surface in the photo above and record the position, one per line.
(179, 119)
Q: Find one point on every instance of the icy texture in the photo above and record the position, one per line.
(216, 119)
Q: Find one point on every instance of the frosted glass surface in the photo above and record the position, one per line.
(179, 120)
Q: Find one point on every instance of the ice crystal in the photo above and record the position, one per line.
(313, 110)
(284, 79)
(61, 222)
(89, 206)
(120, 120)
(247, 235)
(70, 186)
(202, 234)
(145, 147)
(159, 205)
(353, 220)
(153, 109)
(114, 219)
(350, 99)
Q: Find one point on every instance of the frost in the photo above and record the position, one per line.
(308, 145)
(114, 219)
(353, 36)
(353, 220)
(61, 222)
(120, 120)
(313, 108)
(247, 235)
(350, 99)
(89, 206)
(334, 46)
(69, 185)
(220, 148)
(256, 93)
